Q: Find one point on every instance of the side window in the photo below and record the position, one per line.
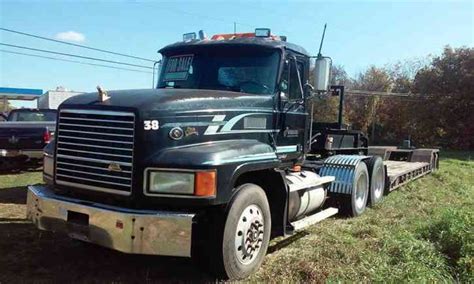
(296, 83)
(285, 81)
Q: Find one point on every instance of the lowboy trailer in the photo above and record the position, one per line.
(221, 157)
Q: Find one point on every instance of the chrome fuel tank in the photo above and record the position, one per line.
(307, 193)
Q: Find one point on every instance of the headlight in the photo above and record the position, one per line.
(171, 182)
(48, 167)
(198, 183)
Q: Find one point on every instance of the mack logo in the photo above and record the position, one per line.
(13, 139)
(114, 167)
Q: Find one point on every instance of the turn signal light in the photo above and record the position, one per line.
(205, 183)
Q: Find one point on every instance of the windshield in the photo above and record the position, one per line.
(248, 71)
(48, 115)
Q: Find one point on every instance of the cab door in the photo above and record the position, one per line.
(293, 117)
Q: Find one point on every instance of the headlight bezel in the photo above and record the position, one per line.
(196, 182)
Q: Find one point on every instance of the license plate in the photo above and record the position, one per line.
(78, 225)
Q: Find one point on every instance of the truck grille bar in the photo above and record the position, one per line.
(95, 150)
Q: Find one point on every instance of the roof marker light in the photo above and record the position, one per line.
(189, 37)
(262, 32)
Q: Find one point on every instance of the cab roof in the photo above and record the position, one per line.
(264, 42)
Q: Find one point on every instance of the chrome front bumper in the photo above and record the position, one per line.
(130, 231)
(32, 154)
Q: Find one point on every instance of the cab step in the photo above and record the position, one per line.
(315, 218)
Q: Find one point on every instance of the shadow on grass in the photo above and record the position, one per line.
(32, 255)
(280, 244)
(14, 195)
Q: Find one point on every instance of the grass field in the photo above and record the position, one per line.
(422, 232)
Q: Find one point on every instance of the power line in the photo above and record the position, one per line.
(74, 61)
(74, 55)
(77, 45)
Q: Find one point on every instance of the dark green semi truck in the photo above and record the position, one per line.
(219, 158)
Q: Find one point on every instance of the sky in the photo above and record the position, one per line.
(359, 34)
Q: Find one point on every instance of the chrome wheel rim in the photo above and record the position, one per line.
(249, 234)
(361, 192)
(378, 184)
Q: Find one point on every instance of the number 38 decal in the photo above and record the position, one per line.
(151, 125)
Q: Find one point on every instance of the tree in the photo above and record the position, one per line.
(445, 114)
(362, 111)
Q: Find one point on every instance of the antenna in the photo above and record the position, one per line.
(322, 40)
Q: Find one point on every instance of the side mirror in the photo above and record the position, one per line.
(322, 73)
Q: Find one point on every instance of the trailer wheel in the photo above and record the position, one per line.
(360, 191)
(434, 163)
(377, 179)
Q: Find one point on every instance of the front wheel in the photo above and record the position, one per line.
(246, 232)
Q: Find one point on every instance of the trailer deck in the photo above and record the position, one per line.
(404, 165)
(399, 173)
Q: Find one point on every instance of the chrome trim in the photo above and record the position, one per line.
(94, 160)
(97, 112)
(149, 232)
(36, 154)
(93, 180)
(87, 166)
(104, 147)
(97, 126)
(95, 188)
(93, 152)
(93, 139)
(96, 133)
(94, 174)
(101, 120)
(145, 183)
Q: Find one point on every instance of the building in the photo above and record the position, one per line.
(52, 99)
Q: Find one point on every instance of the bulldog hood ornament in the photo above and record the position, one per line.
(102, 94)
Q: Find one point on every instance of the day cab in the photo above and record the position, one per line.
(206, 165)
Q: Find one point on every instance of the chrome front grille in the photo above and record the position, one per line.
(95, 150)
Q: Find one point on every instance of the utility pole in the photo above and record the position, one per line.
(235, 28)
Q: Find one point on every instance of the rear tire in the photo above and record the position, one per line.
(357, 202)
(377, 179)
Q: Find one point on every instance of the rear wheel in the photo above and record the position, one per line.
(360, 191)
(377, 179)
(434, 163)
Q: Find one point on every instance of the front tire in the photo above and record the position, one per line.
(246, 232)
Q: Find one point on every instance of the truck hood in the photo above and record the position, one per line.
(173, 100)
